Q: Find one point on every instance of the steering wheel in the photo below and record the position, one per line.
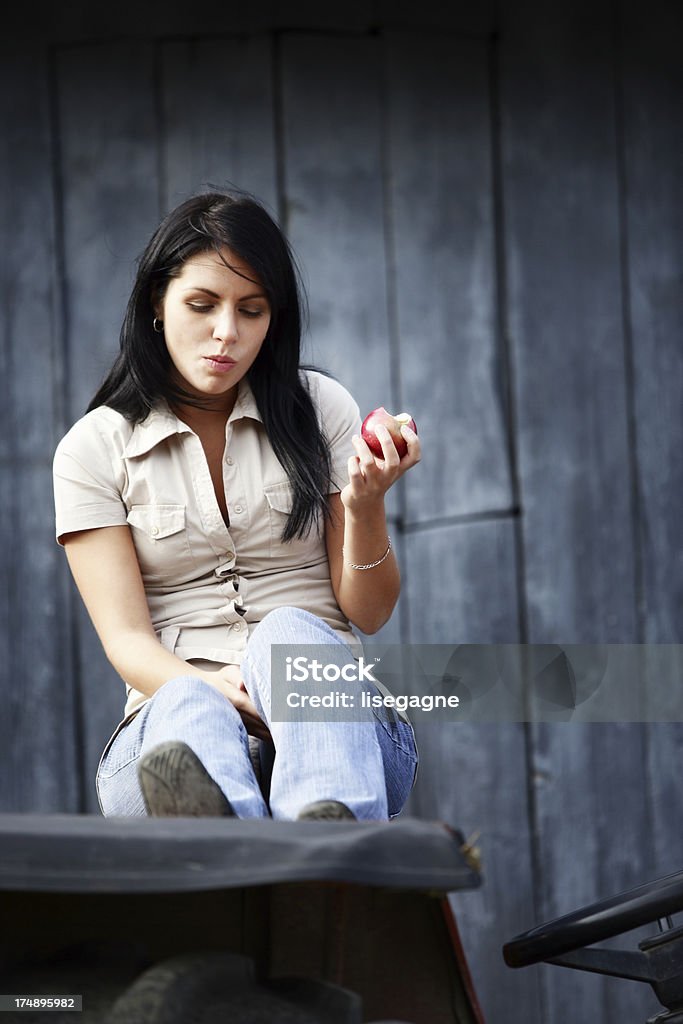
(601, 920)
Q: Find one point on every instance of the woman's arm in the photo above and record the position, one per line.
(105, 567)
(356, 533)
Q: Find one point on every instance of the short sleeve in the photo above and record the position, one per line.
(87, 489)
(341, 419)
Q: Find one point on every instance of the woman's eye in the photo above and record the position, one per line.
(198, 307)
(252, 312)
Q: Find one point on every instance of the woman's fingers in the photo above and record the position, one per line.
(251, 719)
(354, 469)
(253, 722)
(228, 681)
(365, 457)
(382, 470)
(371, 468)
(391, 458)
(412, 440)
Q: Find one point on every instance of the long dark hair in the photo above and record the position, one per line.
(140, 375)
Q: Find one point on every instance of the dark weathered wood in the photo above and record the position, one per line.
(595, 841)
(664, 754)
(652, 94)
(38, 738)
(39, 753)
(110, 206)
(110, 194)
(444, 277)
(461, 582)
(565, 324)
(334, 202)
(218, 136)
(332, 128)
(461, 586)
(565, 316)
(28, 331)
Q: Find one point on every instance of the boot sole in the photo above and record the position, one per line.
(175, 783)
(326, 810)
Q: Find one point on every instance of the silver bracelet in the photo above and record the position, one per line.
(370, 565)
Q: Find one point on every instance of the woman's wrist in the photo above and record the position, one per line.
(366, 538)
(367, 565)
(369, 512)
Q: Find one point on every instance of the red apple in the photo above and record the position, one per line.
(393, 425)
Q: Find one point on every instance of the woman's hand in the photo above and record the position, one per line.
(228, 681)
(356, 532)
(369, 477)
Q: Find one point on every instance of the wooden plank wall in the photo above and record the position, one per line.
(565, 325)
(487, 210)
(39, 731)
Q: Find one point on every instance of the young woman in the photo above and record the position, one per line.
(216, 499)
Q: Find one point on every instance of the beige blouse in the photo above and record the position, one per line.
(207, 585)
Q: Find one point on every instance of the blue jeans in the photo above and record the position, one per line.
(369, 765)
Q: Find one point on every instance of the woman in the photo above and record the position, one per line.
(216, 499)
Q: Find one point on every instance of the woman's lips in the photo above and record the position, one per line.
(220, 363)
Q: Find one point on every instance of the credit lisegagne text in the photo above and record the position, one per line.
(342, 699)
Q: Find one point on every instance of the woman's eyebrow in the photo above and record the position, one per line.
(214, 295)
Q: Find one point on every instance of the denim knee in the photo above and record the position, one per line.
(187, 689)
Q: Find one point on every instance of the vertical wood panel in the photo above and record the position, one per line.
(109, 171)
(334, 199)
(28, 332)
(652, 92)
(652, 76)
(461, 581)
(39, 757)
(27, 407)
(461, 584)
(561, 190)
(218, 117)
(565, 314)
(594, 821)
(333, 186)
(445, 279)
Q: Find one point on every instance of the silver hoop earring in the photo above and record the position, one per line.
(158, 325)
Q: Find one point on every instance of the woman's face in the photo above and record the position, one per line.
(215, 321)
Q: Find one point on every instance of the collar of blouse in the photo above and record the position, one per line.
(162, 422)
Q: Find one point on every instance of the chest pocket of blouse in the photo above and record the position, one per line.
(279, 498)
(161, 541)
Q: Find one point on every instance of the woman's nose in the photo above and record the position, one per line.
(225, 326)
